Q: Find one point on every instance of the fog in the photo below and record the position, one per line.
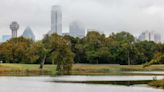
(106, 16)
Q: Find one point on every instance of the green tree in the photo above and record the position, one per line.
(121, 47)
(158, 58)
(15, 50)
(92, 43)
(123, 37)
(60, 50)
(36, 52)
(147, 50)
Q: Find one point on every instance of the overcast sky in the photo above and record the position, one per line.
(108, 16)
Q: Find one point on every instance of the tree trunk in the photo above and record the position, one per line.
(43, 61)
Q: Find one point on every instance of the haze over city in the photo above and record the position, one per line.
(81, 46)
(134, 16)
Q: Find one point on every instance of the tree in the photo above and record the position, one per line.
(76, 47)
(104, 55)
(147, 50)
(158, 58)
(121, 47)
(36, 52)
(80, 56)
(15, 50)
(123, 37)
(92, 43)
(60, 50)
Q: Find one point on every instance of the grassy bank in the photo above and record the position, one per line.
(157, 84)
(78, 69)
(112, 69)
(26, 70)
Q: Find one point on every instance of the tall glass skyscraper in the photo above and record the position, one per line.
(56, 20)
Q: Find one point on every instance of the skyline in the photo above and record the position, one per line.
(56, 20)
(107, 16)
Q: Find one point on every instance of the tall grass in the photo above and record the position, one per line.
(157, 84)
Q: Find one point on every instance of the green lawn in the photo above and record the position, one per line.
(112, 69)
(26, 69)
(78, 69)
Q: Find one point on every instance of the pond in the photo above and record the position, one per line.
(45, 84)
(106, 78)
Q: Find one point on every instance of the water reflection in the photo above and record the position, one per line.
(106, 78)
(43, 84)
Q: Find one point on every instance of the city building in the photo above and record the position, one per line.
(150, 36)
(14, 26)
(66, 33)
(157, 38)
(56, 20)
(144, 36)
(28, 33)
(76, 29)
(6, 38)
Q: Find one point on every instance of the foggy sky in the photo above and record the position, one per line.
(108, 16)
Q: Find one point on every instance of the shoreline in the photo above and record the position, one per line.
(86, 69)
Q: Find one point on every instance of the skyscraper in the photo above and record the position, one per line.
(56, 20)
(77, 29)
(14, 26)
(150, 36)
(28, 34)
(144, 36)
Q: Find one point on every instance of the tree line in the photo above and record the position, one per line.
(95, 48)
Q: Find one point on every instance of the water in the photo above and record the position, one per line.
(106, 78)
(44, 84)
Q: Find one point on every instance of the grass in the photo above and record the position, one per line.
(26, 69)
(78, 69)
(111, 69)
(157, 84)
(81, 69)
